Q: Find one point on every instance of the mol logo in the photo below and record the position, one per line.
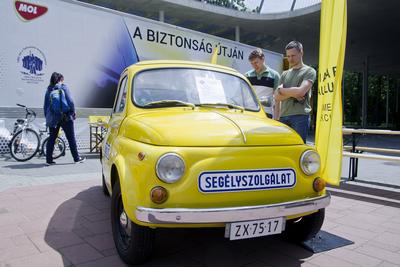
(29, 11)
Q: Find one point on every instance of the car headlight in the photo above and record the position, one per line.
(170, 167)
(310, 162)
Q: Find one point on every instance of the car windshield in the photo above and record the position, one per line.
(192, 87)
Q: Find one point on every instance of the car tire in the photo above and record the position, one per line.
(305, 228)
(134, 243)
(103, 184)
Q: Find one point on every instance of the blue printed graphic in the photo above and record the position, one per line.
(119, 54)
(32, 63)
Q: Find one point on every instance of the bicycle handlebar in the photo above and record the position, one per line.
(28, 111)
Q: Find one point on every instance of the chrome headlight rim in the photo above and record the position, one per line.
(302, 158)
(162, 157)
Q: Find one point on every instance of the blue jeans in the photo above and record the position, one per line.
(68, 127)
(299, 123)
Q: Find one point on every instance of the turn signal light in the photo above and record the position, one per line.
(141, 156)
(319, 184)
(158, 194)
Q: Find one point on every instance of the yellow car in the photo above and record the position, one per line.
(188, 145)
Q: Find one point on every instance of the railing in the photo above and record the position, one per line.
(356, 151)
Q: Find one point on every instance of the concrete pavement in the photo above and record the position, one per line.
(58, 216)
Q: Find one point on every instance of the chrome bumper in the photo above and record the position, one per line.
(233, 214)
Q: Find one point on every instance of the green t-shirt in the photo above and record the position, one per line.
(294, 78)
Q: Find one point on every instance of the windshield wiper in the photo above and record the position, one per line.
(231, 106)
(166, 103)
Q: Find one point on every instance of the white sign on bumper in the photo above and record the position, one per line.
(250, 229)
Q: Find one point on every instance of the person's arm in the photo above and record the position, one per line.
(277, 79)
(277, 103)
(277, 110)
(46, 103)
(278, 95)
(69, 98)
(300, 91)
(297, 92)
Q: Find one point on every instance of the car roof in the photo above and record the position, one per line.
(179, 63)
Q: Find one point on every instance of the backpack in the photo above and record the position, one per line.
(58, 102)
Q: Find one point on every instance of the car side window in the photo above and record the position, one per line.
(121, 101)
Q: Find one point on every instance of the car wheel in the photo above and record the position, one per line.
(305, 228)
(103, 183)
(134, 243)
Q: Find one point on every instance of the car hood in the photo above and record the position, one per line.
(206, 128)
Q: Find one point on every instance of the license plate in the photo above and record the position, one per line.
(250, 229)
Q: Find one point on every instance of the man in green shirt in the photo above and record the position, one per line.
(264, 80)
(294, 91)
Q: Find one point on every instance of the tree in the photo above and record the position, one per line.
(234, 4)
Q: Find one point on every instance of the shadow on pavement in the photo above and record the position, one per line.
(25, 165)
(80, 230)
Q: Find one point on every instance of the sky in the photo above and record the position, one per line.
(275, 6)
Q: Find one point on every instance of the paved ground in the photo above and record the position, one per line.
(35, 172)
(374, 171)
(58, 216)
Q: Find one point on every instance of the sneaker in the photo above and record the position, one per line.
(50, 163)
(80, 160)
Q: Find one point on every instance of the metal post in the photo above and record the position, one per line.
(365, 94)
(237, 33)
(397, 114)
(261, 5)
(353, 160)
(161, 15)
(387, 101)
(293, 4)
(91, 138)
(343, 77)
(397, 94)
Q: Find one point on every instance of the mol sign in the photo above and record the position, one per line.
(28, 11)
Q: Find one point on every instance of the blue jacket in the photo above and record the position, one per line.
(52, 119)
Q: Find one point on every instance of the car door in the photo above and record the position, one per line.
(117, 115)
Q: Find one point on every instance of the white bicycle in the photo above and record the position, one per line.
(27, 142)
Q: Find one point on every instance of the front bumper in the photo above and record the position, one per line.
(233, 214)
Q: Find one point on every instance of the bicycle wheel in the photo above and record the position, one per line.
(59, 147)
(24, 145)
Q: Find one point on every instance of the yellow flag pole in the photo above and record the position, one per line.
(214, 56)
(328, 136)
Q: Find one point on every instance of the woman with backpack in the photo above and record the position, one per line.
(59, 111)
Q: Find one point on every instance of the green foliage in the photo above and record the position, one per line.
(383, 100)
(352, 98)
(234, 4)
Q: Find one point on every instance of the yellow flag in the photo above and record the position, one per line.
(214, 56)
(328, 137)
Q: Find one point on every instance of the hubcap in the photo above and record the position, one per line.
(123, 219)
(124, 226)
